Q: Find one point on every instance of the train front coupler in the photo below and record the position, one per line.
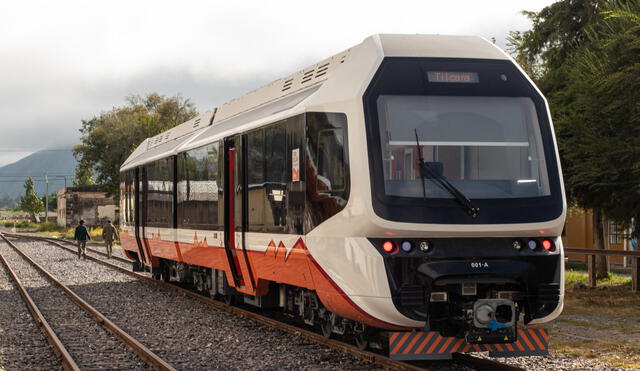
(492, 321)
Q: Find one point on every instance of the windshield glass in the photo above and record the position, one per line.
(487, 147)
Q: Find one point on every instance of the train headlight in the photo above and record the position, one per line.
(548, 245)
(388, 246)
(425, 246)
(532, 244)
(517, 244)
(406, 246)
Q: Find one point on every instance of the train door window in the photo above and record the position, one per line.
(197, 193)
(123, 198)
(128, 198)
(276, 177)
(256, 180)
(142, 189)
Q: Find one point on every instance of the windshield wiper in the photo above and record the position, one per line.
(442, 181)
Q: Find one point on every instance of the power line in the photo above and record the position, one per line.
(34, 150)
(39, 180)
(42, 175)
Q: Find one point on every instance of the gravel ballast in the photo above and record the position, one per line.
(90, 345)
(186, 333)
(192, 335)
(22, 345)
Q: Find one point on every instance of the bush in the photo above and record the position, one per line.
(50, 227)
(96, 233)
(26, 224)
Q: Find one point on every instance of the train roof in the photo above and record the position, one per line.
(295, 93)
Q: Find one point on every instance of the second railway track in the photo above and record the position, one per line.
(123, 265)
(84, 337)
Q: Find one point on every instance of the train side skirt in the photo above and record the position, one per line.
(422, 345)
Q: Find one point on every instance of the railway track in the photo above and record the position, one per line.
(375, 358)
(83, 337)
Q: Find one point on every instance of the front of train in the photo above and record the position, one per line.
(467, 194)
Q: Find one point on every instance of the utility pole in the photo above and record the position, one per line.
(46, 199)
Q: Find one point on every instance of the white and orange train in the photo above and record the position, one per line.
(411, 182)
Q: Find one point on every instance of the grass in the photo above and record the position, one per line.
(608, 316)
(64, 232)
(572, 278)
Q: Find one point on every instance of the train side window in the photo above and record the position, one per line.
(327, 164)
(330, 159)
(197, 193)
(159, 186)
(160, 193)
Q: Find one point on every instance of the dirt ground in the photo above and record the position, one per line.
(602, 323)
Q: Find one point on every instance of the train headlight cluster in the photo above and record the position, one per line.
(405, 246)
(533, 244)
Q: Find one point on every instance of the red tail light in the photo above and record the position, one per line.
(388, 246)
(548, 245)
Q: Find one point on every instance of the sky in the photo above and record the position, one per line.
(65, 61)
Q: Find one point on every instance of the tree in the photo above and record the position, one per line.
(84, 174)
(109, 138)
(53, 200)
(586, 53)
(602, 132)
(30, 202)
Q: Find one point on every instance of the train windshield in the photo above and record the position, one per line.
(486, 147)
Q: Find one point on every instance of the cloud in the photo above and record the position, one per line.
(70, 60)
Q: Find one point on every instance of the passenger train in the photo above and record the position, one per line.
(411, 182)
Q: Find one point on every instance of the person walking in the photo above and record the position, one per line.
(82, 235)
(109, 234)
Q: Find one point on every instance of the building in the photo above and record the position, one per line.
(88, 203)
(578, 233)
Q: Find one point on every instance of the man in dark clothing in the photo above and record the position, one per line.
(82, 235)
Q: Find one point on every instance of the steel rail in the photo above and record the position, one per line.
(138, 348)
(67, 360)
(384, 361)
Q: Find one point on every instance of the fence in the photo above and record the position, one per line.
(591, 263)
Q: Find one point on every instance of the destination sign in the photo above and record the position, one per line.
(453, 77)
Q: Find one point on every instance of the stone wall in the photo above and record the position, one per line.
(86, 203)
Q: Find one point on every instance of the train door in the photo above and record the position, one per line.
(143, 243)
(137, 183)
(235, 224)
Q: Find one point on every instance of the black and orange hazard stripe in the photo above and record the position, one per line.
(430, 345)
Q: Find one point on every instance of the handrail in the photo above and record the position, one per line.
(575, 250)
(591, 263)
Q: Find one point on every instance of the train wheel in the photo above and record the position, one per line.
(326, 326)
(229, 299)
(361, 341)
(166, 272)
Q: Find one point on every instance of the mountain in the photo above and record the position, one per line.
(55, 163)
